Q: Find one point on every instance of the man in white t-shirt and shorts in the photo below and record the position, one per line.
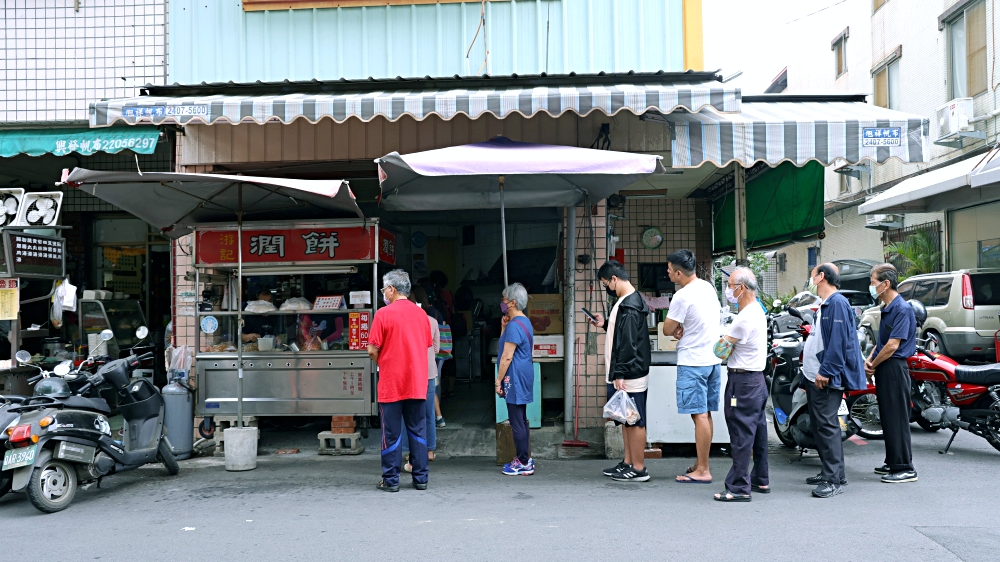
(745, 346)
(693, 318)
(626, 363)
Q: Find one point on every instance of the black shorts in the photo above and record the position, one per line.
(640, 404)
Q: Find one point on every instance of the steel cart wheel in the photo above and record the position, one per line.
(52, 486)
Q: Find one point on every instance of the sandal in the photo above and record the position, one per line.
(760, 489)
(730, 497)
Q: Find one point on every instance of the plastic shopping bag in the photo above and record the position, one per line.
(621, 408)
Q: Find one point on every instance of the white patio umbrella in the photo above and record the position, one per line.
(177, 203)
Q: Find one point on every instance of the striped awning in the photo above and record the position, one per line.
(419, 104)
(827, 131)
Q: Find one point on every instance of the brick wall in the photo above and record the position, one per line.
(685, 223)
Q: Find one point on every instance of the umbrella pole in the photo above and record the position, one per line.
(503, 236)
(239, 307)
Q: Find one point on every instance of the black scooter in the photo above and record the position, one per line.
(55, 448)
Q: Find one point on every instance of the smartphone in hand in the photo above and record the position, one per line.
(589, 315)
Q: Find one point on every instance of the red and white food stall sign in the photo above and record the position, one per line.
(359, 326)
(295, 245)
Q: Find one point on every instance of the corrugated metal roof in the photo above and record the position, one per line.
(217, 41)
(345, 86)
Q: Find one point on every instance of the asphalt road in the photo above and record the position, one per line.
(307, 507)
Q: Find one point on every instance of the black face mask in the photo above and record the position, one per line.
(611, 292)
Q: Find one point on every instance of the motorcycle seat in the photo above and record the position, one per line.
(983, 375)
(83, 403)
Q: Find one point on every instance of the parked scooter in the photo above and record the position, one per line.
(55, 447)
(790, 402)
(946, 395)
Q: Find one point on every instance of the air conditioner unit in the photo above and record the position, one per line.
(884, 222)
(952, 118)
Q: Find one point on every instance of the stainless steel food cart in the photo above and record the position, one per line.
(317, 363)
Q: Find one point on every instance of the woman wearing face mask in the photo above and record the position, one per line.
(516, 374)
(745, 347)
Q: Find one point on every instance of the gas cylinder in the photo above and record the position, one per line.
(178, 418)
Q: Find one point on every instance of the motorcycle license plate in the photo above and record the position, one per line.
(16, 458)
(842, 411)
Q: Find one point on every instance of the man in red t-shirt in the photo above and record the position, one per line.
(397, 343)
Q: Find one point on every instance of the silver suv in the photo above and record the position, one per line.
(962, 312)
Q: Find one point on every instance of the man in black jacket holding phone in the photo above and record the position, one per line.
(626, 360)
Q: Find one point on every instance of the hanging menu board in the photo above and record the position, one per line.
(35, 256)
(360, 323)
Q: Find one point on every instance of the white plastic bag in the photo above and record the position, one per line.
(622, 409)
(296, 303)
(259, 306)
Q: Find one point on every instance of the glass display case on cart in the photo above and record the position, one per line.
(308, 359)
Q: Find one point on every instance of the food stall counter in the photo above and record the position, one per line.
(663, 423)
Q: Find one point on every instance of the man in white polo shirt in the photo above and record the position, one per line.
(693, 318)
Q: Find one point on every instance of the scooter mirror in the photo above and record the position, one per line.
(107, 335)
(22, 356)
(141, 332)
(63, 368)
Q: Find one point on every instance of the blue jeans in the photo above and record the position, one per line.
(429, 416)
(405, 416)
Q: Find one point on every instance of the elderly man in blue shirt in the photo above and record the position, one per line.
(832, 361)
(897, 341)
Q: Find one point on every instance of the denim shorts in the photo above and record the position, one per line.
(698, 389)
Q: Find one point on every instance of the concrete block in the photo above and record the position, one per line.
(614, 443)
(241, 450)
(222, 423)
(340, 443)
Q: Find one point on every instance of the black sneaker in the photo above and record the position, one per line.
(827, 490)
(818, 479)
(420, 485)
(615, 469)
(900, 477)
(385, 487)
(630, 474)
(884, 469)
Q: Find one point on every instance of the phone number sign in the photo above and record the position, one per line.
(881, 136)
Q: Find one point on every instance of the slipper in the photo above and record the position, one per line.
(760, 490)
(730, 497)
(689, 470)
(685, 479)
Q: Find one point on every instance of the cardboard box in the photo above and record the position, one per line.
(545, 313)
(548, 347)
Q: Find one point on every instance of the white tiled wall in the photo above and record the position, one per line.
(55, 60)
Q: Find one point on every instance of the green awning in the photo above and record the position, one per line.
(36, 142)
(783, 204)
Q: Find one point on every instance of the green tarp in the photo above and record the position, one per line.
(36, 142)
(783, 204)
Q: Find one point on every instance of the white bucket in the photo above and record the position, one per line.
(241, 448)
(265, 344)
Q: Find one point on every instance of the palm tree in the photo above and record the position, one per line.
(915, 254)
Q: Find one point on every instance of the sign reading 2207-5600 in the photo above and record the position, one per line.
(881, 136)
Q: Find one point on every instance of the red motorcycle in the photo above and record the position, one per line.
(946, 395)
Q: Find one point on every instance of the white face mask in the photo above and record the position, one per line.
(730, 296)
